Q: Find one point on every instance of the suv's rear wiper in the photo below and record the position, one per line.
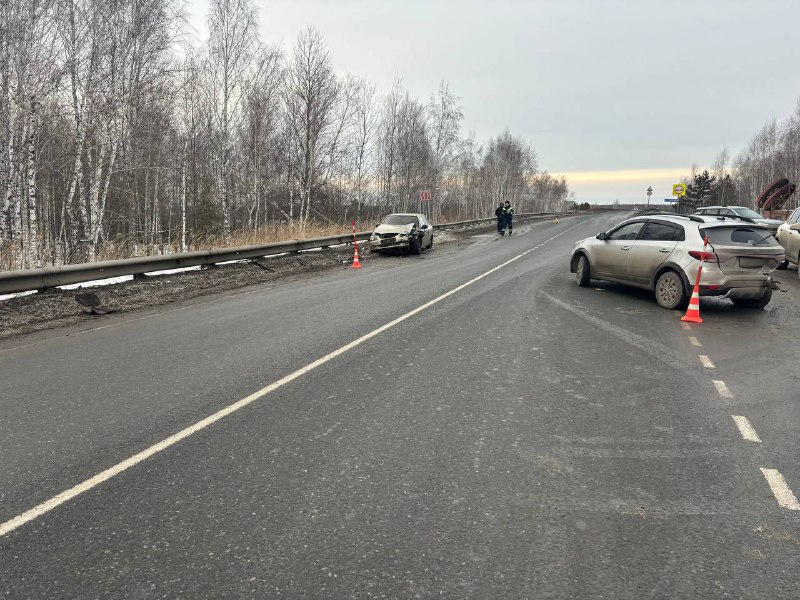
(769, 235)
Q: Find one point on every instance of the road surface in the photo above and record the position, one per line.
(464, 424)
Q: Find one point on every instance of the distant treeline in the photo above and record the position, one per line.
(116, 128)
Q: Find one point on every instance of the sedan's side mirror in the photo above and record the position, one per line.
(795, 226)
(424, 226)
(601, 235)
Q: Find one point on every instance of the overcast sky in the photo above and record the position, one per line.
(617, 95)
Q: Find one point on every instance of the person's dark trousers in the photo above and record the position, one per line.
(499, 224)
(509, 222)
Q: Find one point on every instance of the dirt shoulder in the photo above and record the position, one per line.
(55, 308)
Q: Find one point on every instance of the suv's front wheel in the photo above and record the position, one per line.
(670, 292)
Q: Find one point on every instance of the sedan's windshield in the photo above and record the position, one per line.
(746, 212)
(400, 220)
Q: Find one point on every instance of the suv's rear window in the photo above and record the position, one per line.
(739, 236)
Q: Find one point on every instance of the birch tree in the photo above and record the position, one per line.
(311, 93)
(232, 44)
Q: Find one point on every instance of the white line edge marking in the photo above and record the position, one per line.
(694, 341)
(134, 460)
(780, 489)
(706, 361)
(746, 429)
(722, 389)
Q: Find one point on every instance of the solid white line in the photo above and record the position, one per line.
(694, 341)
(134, 460)
(746, 429)
(723, 389)
(706, 361)
(783, 494)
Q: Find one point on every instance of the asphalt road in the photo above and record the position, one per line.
(517, 437)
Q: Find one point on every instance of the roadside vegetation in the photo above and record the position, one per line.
(122, 134)
(772, 153)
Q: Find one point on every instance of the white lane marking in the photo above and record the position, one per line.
(686, 326)
(780, 488)
(706, 361)
(134, 460)
(722, 389)
(746, 429)
(694, 341)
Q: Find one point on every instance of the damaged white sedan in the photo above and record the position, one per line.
(402, 231)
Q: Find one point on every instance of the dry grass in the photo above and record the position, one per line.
(11, 254)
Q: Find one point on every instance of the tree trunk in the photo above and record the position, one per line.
(33, 258)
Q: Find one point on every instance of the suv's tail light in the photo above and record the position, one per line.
(703, 256)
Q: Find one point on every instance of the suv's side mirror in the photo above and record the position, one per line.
(601, 235)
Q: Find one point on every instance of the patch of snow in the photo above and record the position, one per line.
(96, 282)
(16, 295)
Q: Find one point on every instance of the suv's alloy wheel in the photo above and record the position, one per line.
(670, 293)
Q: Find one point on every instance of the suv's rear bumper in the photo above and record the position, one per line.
(737, 289)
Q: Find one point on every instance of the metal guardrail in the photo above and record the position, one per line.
(48, 277)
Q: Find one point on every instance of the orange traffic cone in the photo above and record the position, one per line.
(356, 263)
(693, 312)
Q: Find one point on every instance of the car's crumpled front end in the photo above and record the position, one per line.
(387, 237)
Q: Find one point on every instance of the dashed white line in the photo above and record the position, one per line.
(694, 341)
(706, 361)
(746, 429)
(780, 488)
(686, 326)
(92, 482)
(722, 389)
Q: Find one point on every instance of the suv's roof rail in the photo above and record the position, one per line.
(694, 218)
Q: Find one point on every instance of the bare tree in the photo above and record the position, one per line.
(311, 95)
(444, 117)
(232, 44)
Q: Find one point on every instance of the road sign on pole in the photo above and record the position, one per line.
(425, 195)
(678, 189)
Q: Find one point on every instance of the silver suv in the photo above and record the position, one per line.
(662, 253)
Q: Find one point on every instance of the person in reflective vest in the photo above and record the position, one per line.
(508, 217)
(498, 212)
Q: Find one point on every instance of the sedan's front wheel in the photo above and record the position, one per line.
(670, 292)
(583, 273)
(416, 246)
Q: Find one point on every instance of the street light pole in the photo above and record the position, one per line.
(649, 193)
